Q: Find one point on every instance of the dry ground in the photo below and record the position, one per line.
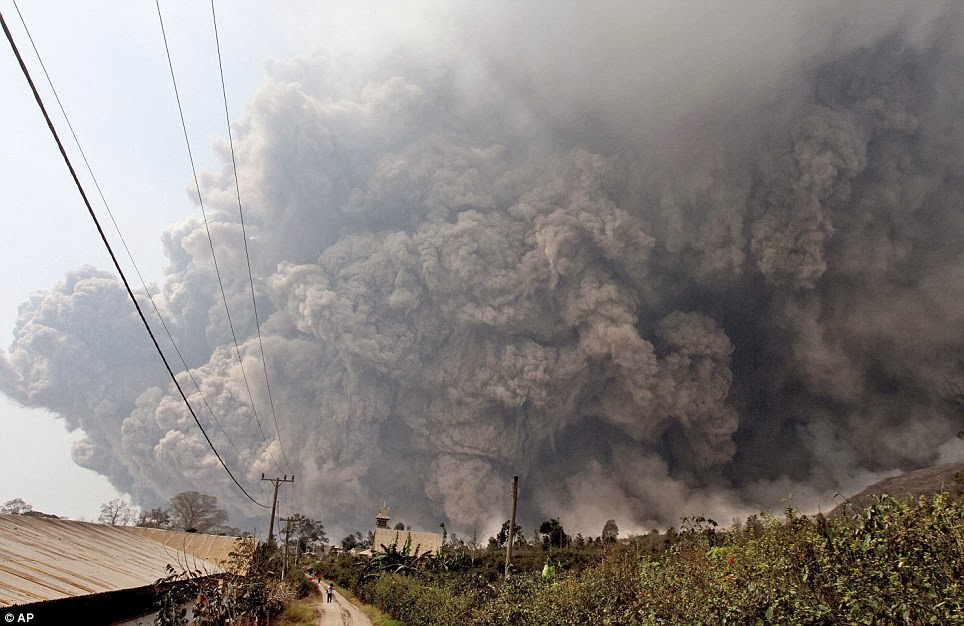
(338, 612)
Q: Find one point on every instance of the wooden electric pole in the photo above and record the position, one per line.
(287, 521)
(508, 547)
(274, 502)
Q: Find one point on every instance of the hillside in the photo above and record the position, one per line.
(911, 485)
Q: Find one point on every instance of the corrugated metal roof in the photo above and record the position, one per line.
(422, 541)
(44, 559)
(213, 548)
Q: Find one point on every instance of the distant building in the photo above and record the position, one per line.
(422, 542)
(381, 520)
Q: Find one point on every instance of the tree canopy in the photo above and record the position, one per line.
(17, 506)
(154, 518)
(553, 534)
(503, 535)
(195, 512)
(353, 541)
(306, 533)
(117, 512)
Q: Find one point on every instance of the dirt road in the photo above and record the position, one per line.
(339, 612)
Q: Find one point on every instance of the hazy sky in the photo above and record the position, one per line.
(107, 62)
(659, 258)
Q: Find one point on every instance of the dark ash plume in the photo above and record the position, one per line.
(649, 294)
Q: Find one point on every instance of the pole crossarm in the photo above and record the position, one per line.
(274, 501)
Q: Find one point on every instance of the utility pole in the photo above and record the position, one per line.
(508, 547)
(287, 521)
(274, 502)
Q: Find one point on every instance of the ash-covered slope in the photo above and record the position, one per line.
(948, 478)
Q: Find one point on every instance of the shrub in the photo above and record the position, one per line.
(416, 603)
(896, 562)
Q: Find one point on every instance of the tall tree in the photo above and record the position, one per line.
(16, 507)
(350, 542)
(195, 512)
(117, 512)
(610, 531)
(503, 535)
(154, 518)
(553, 534)
(306, 533)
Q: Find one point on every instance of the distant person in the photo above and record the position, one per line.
(330, 591)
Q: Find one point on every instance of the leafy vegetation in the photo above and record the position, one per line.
(195, 512)
(296, 613)
(893, 562)
(17, 506)
(250, 593)
(306, 535)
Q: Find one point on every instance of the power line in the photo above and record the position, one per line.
(207, 228)
(100, 230)
(244, 238)
(130, 255)
(274, 503)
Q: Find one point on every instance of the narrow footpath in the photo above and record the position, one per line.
(338, 612)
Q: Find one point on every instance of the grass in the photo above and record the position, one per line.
(377, 617)
(296, 613)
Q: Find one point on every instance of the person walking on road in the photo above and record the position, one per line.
(330, 591)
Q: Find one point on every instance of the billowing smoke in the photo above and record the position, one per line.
(652, 267)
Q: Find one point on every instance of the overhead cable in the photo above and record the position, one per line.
(244, 238)
(130, 255)
(207, 228)
(100, 230)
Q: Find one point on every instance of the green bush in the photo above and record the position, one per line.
(896, 562)
(301, 585)
(416, 603)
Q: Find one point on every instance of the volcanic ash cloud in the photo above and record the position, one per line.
(465, 274)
